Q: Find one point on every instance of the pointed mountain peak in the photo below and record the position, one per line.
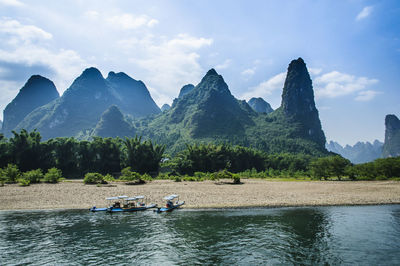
(36, 92)
(391, 147)
(92, 73)
(113, 124)
(165, 107)
(113, 112)
(298, 101)
(120, 75)
(260, 105)
(36, 80)
(212, 72)
(185, 90)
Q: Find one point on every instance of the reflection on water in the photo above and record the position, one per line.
(320, 235)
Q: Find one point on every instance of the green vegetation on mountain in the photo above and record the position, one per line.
(209, 113)
(112, 124)
(185, 90)
(83, 103)
(391, 147)
(206, 113)
(36, 92)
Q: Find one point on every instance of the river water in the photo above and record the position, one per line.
(357, 235)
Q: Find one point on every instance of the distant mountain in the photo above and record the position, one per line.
(165, 107)
(185, 90)
(260, 105)
(210, 113)
(391, 148)
(112, 124)
(361, 152)
(1, 125)
(83, 103)
(36, 92)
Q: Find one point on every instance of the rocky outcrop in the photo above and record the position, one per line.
(391, 147)
(298, 102)
(36, 92)
(260, 105)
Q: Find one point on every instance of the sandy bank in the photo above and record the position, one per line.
(207, 194)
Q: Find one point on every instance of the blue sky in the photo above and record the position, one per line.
(352, 50)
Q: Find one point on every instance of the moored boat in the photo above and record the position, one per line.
(116, 201)
(170, 205)
(132, 204)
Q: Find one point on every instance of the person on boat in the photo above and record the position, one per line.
(169, 204)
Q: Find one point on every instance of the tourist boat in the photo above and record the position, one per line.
(124, 204)
(170, 206)
(116, 201)
(133, 204)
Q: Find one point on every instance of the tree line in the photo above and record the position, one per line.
(135, 159)
(76, 158)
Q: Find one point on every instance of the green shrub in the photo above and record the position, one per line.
(2, 178)
(93, 178)
(146, 177)
(108, 178)
(236, 180)
(34, 176)
(24, 182)
(10, 174)
(53, 175)
(177, 179)
(128, 175)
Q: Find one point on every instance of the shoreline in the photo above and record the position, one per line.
(253, 193)
(219, 208)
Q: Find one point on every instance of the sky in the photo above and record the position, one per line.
(351, 48)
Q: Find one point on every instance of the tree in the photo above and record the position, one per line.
(337, 165)
(143, 157)
(320, 168)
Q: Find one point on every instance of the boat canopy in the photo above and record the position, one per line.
(171, 197)
(123, 197)
(131, 199)
(135, 198)
(112, 198)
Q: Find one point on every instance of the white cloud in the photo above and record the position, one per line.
(168, 64)
(227, 63)
(14, 3)
(266, 88)
(335, 84)
(29, 49)
(365, 12)
(364, 96)
(248, 72)
(19, 32)
(314, 71)
(130, 22)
